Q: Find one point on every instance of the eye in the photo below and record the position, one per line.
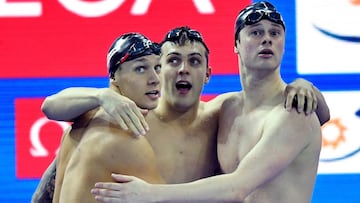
(255, 33)
(140, 69)
(275, 33)
(157, 68)
(195, 61)
(174, 61)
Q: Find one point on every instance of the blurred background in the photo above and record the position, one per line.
(46, 46)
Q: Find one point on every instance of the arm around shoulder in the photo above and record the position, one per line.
(70, 103)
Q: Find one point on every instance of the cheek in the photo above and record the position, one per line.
(281, 48)
(250, 48)
(199, 78)
(127, 85)
(168, 73)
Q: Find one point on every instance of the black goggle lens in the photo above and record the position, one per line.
(175, 34)
(256, 16)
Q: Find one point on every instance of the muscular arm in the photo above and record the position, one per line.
(73, 102)
(270, 156)
(307, 97)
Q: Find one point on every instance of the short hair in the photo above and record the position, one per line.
(180, 35)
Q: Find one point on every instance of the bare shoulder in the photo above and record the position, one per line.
(216, 103)
(117, 150)
(109, 139)
(292, 121)
(234, 100)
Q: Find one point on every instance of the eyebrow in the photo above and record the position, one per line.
(174, 53)
(258, 24)
(178, 54)
(195, 54)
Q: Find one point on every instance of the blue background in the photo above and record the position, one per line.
(328, 188)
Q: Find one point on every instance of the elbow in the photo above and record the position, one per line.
(325, 118)
(47, 108)
(323, 121)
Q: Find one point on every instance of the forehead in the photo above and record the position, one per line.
(189, 47)
(264, 23)
(151, 59)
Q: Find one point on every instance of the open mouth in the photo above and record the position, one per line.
(153, 94)
(267, 52)
(183, 86)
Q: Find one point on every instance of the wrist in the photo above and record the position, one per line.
(99, 96)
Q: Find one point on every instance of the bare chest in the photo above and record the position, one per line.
(242, 135)
(184, 153)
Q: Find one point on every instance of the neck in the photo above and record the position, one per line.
(169, 112)
(262, 88)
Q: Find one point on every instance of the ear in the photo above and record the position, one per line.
(114, 86)
(237, 43)
(113, 82)
(236, 50)
(208, 74)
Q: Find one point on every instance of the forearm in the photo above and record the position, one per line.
(71, 103)
(211, 190)
(322, 110)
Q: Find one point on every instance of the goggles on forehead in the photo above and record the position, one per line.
(257, 15)
(175, 34)
(193, 35)
(139, 48)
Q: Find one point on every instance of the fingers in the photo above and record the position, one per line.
(111, 192)
(307, 102)
(140, 114)
(119, 119)
(104, 192)
(300, 101)
(124, 111)
(303, 100)
(122, 178)
(130, 118)
(315, 103)
(105, 195)
(106, 199)
(290, 98)
(308, 105)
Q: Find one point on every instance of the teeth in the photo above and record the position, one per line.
(153, 92)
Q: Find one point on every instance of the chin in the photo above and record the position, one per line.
(148, 106)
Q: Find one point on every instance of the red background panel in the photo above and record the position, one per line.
(60, 43)
(37, 139)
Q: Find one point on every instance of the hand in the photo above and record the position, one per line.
(124, 111)
(127, 189)
(300, 94)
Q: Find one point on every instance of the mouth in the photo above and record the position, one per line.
(266, 52)
(154, 94)
(183, 86)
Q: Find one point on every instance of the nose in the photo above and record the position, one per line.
(154, 78)
(267, 40)
(184, 69)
